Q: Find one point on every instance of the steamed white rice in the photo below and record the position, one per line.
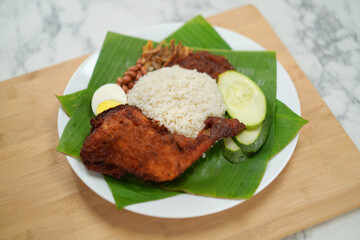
(178, 98)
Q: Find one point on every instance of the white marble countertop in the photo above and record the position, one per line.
(323, 37)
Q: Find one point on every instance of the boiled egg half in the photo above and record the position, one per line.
(107, 96)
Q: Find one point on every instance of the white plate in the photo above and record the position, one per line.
(184, 205)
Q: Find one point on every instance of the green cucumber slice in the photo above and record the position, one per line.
(247, 137)
(250, 141)
(231, 151)
(243, 98)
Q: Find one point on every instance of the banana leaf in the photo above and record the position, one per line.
(198, 33)
(243, 178)
(113, 62)
(287, 125)
(214, 175)
(70, 102)
(129, 190)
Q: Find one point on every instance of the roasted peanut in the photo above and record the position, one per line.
(139, 61)
(143, 70)
(138, 75)
(120, 80)
(126, 79)
(125, 88)
(132, 74)
(131, 84)
(133, 68)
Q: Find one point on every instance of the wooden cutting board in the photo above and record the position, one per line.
(42, 198)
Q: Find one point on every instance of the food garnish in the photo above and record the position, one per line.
(164, 55)
(232, 152)
(151, 59)
(160, 56)
(204, 62)
(243, 98)
(250, 140)
(246, 102)
(107, 96)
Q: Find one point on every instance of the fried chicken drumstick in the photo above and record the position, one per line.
(123, 140)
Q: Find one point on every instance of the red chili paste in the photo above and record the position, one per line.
(204, 62)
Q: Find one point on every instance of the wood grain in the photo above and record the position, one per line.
(41, 197)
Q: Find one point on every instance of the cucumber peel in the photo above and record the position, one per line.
(248, 136)
(232, 152)
(246, 102)
(250, 141)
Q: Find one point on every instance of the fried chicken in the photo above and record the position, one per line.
(123, 140)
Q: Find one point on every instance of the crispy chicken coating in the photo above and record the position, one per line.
(123, 140)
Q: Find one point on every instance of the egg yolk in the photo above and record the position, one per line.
(105, 105)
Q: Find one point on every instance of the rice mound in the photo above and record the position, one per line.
(178, 98)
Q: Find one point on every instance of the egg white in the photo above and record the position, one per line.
(110, 91)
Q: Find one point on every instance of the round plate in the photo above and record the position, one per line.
(183, 205)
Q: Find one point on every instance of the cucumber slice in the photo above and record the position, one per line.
(231, 151)
(250, 141)
(243, 98)
(247, 137)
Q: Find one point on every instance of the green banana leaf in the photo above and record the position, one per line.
(214, 167)
(198, 33)
(287, 125)
(70, 102)
(129, 190)
(113, 62)
(214, 175)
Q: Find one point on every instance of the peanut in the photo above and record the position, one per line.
(138, 75)
(125, 88)
(131, 84)
(143, 70)
(139, 61)
(133, 68)
(126, 79)
(132, 74)
(120, 80)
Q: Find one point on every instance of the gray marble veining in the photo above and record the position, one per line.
(323, 37)
(334, 67)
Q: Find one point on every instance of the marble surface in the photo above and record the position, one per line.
(323, 37)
